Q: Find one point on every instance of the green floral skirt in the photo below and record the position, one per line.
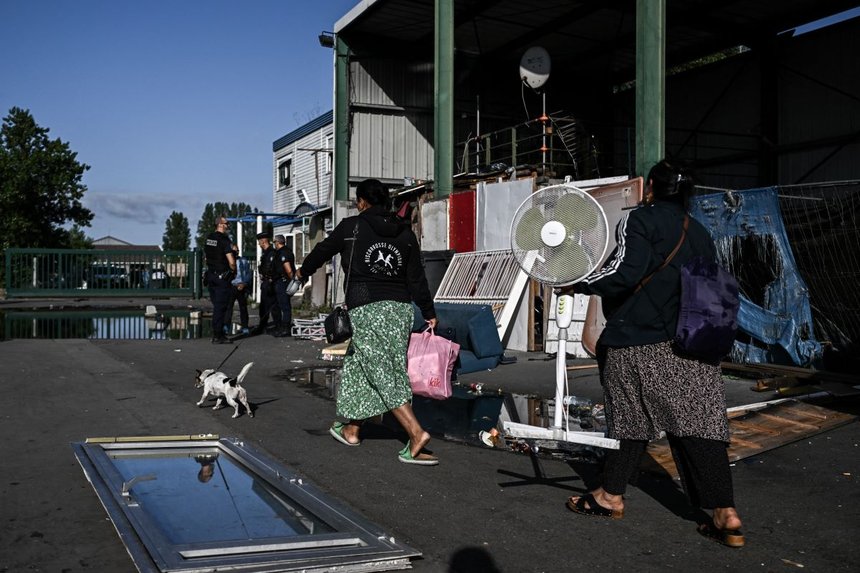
(374, 378)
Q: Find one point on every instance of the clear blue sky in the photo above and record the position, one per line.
(172, 103)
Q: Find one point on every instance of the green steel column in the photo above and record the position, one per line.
(650, 83)
(443, 100)
(341, 120)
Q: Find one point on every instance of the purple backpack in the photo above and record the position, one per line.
(708, 311)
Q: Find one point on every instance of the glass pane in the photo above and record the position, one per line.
(199, 495)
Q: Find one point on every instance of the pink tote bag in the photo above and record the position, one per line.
(430, 363)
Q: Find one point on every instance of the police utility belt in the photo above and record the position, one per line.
(225, 275)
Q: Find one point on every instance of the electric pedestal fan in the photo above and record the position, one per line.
(559, 235)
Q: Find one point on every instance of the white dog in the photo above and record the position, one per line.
(223, 387)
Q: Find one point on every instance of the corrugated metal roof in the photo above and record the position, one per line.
(302, 131)
(586, 38)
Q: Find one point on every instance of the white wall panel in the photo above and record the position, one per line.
(307, 173)
(391, 108)
(434, 225)
(496, 205)
(389, 146)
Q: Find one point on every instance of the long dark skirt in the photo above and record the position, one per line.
(649, 389)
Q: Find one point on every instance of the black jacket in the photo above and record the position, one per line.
(216, 249)
(645, 237)
(266, 266)
(281, 256)
(386, 262)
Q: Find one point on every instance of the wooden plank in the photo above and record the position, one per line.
(775, 370)
(759, 430)
(775, 383)
(782, 420)
(755, 427)
(582, 366)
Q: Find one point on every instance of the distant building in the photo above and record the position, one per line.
(302, 164)
(111, 243)
(131, 266)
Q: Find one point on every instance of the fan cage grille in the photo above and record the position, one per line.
(586, 235)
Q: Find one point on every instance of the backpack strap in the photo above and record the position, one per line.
(669, 258)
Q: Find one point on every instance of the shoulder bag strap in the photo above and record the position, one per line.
(669, 258)
(351, 252)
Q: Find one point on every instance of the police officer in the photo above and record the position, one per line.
(268, 299)
(283, 268)
(220, 269)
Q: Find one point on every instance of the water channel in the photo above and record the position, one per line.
(103, 324)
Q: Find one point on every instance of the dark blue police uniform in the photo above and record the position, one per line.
(268, 298)
(282, 279)
(217, 278)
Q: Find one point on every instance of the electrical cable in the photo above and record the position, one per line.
(230, 495)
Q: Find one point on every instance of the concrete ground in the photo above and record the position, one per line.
(480, 510)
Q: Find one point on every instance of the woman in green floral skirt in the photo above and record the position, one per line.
(382, 261)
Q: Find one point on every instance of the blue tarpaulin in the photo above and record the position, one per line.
(752, 244)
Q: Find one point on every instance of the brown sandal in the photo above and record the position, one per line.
(728, 537)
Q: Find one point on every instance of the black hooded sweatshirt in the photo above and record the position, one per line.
(645, 237)
(384, 257)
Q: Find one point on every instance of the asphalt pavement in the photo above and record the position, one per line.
(479, 510)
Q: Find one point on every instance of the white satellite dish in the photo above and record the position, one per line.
(534, 67)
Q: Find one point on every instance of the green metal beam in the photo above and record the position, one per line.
(443, 100)
(650, 83)
(341, 120)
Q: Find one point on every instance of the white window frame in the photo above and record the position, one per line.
(300, 238)
(329, 154)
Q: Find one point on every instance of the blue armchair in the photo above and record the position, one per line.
(471, 326)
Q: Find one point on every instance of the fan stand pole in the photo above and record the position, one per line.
(560, 383)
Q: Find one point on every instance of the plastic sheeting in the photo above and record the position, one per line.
(752, 244)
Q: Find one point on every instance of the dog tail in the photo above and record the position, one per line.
(244, 371)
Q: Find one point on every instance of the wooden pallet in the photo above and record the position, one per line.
(756, 431)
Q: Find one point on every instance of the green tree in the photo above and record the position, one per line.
(177, 233)
(212, 210)
(78, 239)
(40, 186)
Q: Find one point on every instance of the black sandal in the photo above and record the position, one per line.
(594, 509)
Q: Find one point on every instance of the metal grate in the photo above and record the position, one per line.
(485, 277)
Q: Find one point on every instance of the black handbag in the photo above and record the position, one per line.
(338, 326)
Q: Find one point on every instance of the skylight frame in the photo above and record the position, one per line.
(356, 544)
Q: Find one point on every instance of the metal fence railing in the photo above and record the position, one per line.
(557, 143)
(131, 272)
